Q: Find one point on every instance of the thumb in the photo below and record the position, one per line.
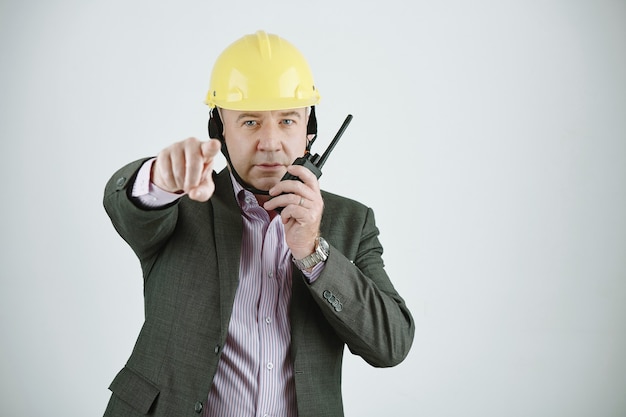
(203, 191)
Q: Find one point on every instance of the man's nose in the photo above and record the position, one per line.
(269, 137)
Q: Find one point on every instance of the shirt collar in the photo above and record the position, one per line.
(245, 198)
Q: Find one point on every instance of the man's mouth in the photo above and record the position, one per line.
(270, 165)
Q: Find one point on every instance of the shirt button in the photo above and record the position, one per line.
(270, 274)
(270, 366)
(268, 320)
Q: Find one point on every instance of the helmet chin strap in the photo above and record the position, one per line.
(216, 129)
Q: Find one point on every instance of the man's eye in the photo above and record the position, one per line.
(288, 122)
(250, 123)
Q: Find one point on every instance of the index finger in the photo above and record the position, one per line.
(307, 187)
(305, 175)
(210, 148)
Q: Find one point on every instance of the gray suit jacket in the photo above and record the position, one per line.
(189, 254)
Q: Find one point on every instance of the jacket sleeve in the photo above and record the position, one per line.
(357, 297)
(143, 229)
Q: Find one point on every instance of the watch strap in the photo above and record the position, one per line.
(319, 255)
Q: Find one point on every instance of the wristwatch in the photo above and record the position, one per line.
(320, 255)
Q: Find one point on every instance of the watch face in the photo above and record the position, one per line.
(322, 248)
(323, 245)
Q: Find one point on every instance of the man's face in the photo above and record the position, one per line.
(262, 144)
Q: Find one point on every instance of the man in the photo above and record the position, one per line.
(252, 285)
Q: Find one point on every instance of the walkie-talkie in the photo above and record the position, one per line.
(315, 162)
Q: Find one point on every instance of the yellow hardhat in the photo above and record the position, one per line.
(261, 72)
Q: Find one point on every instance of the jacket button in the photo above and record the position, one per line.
(217, 349)
(198, 407)
(120, 181)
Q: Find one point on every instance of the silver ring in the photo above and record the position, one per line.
(301, 201)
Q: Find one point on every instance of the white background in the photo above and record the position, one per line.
(489, 137)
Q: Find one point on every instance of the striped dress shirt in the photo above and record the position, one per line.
(255, 373)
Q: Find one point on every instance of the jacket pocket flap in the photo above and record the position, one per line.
(134, 389)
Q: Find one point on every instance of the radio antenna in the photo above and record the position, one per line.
(320, 161)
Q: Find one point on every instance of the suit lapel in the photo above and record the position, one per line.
(299, 310)
(228, 231)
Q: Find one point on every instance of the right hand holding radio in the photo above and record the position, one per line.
(186, 167)
(301, 204)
